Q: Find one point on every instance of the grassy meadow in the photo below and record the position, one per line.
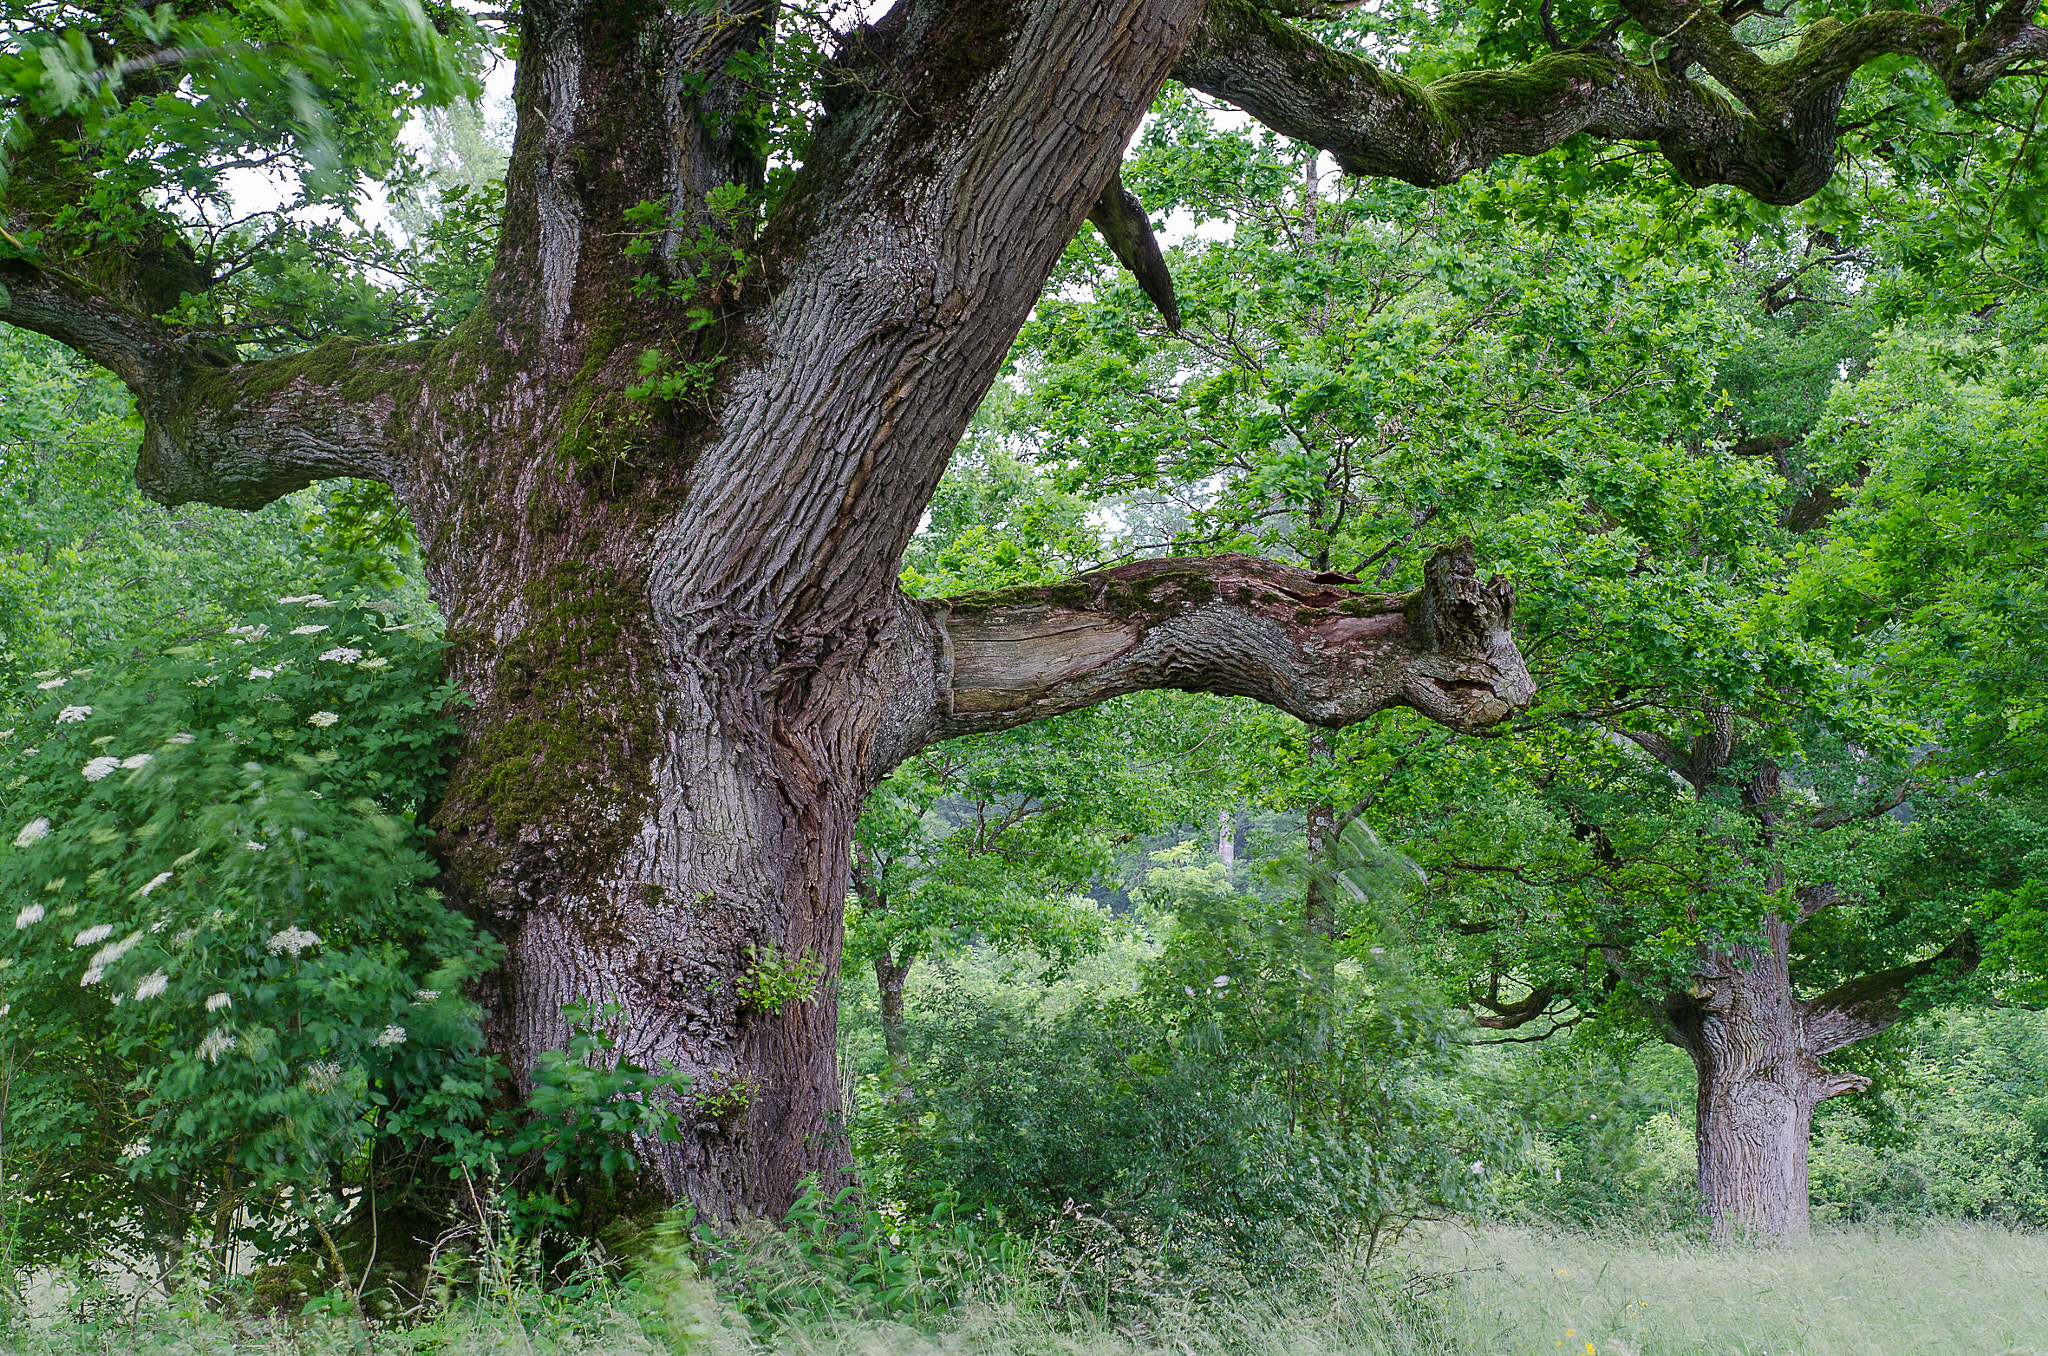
(1945, 1288)
(1970, 1290)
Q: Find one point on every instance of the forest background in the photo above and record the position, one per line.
(1175, 990)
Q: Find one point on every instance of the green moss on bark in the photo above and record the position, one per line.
(1072, 593)
(361, 373)
(1150, 594)
(564, 754)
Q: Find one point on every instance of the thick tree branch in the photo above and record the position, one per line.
(141, 351)
(1656, 744)
(1317, 646)
(1813, 899)
(1863, 1007)
(216, 430)
(1514, 1013)
(1697, 764)
(1775, 139)
(1850, 812)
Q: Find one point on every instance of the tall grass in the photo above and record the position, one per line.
(1944, 1288)
(1978, 1290)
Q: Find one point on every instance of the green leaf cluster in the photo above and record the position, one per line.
(225, 974)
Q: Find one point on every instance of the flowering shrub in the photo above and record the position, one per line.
(223, 974)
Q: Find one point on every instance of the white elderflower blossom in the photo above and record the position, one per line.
(323, 719)
(136, 760)
(99, 767)
(181, 738)
(72, 715)
(113, 951)
(35, 831)
(255, 673)
(425, 995)
(292, 941)
(139, 1149)
(152, 985)
(299, 598)
(6, 734)
(310, 629)
(378, 662)
(255, 846)
(93, 975)
(218, 1042)
(94, 935)
(342, 654)
(30, 752)
(208, 681)
(49, 683)
(215, 1002)
(322, 1075)
(28, 917)
(319, 602)
(390, 1036)
(158, 879)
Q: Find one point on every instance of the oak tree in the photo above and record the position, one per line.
(1689, 836)
(662, 474)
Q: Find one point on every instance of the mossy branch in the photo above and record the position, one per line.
(218, 430)
(1775, 138)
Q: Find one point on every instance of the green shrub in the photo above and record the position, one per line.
(1613, 1130)
(573, 1137)
(1257, 1090)
(1962, 1131)
(837, 1260)
(225, 980)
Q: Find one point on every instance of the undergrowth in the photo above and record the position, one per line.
(1502, 1292)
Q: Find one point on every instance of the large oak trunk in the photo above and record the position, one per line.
(1760, 1079)
(678, 618)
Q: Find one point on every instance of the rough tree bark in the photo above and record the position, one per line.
(1759, 1082)
(1756, 1046)
(676, 614)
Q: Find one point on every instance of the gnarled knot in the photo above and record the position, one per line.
(1839, 1084)
(1457, 614)
(1469, 674)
